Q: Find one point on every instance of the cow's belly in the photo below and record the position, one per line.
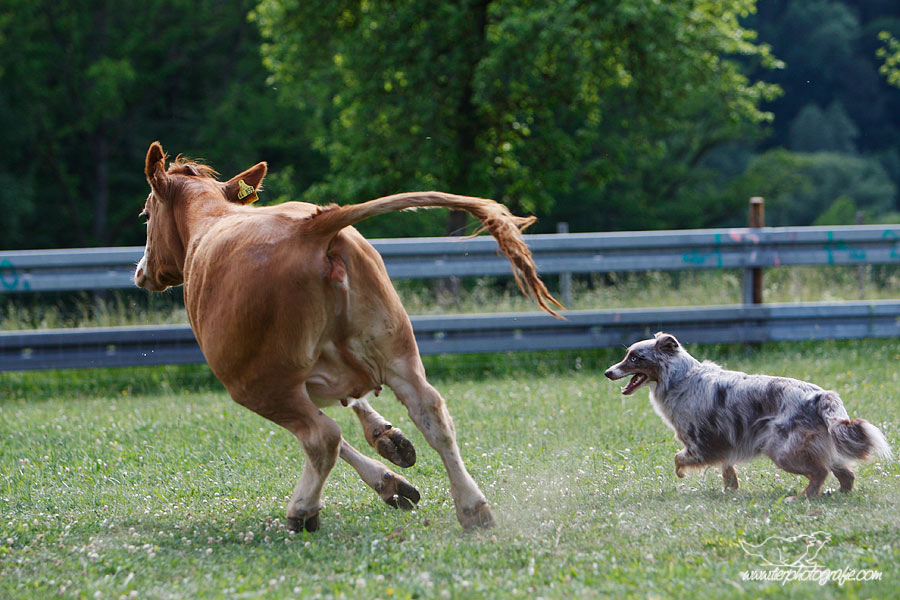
(339, 376)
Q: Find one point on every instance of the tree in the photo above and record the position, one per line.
(831, 130)
(535, 104)
(890, 55)
(834, 102)
(85, 87)
(800, 188)
(829, 49)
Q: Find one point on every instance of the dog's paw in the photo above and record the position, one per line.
(679, 467)
(797, 498)
(730, 478)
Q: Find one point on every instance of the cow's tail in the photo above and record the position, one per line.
(855, 439)
(505, 227)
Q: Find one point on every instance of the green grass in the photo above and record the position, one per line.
(153, 484)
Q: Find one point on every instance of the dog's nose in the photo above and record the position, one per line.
(609, 373)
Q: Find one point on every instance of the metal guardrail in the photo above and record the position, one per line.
(110, 268)
(175, 344)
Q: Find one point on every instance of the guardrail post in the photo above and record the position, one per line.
(861, 269)
(752, 284)
(565, 279)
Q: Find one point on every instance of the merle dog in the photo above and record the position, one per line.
(726, 417)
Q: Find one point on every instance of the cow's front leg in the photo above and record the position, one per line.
(392, 488)
(387, 440)
(427, 410)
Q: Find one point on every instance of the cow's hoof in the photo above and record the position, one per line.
(479, 516)
(398, 493)
(396, 447)
(297, 524)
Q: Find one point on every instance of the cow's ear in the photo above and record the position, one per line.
(666, 343)
(242, 188)
(155, 169)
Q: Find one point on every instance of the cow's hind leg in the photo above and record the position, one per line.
(392, 488)
(427, 410)
(320, 438)
(387, 440)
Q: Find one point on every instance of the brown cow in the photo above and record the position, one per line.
(294, 311)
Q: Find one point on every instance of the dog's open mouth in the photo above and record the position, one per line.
(637, 381)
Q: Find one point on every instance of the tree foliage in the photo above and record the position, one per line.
(890, 54)
(87, 86)
(829, 47)
(801, 187)
(613, 114)
(612, 103)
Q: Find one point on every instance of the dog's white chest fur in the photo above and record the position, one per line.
(658, 406)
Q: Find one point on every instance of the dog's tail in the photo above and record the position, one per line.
(856, 439)
(505, 227)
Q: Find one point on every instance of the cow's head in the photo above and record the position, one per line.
(175, 193)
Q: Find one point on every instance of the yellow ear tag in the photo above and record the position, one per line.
(244, 191)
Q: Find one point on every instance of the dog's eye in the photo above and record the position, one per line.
(634, 358)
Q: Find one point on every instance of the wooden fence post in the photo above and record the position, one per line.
(752, 283)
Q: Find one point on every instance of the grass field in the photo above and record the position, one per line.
(153, 484)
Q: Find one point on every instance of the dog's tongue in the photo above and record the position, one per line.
(634, 384)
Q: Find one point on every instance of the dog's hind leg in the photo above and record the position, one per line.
(816, 478)
(802, 452)
(845, 475)
(729, 477)
(804, 464)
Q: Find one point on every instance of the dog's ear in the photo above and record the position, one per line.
(666, 343)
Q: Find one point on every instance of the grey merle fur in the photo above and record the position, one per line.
(726, 417)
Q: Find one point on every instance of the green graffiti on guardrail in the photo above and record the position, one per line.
(890, 234)
(833, 248)
(9, 277)
(841, 246)
(696, 257)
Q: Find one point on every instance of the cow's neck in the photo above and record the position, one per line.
(200, 215)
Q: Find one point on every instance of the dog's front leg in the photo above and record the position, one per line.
(730, 478)
(685, 460)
